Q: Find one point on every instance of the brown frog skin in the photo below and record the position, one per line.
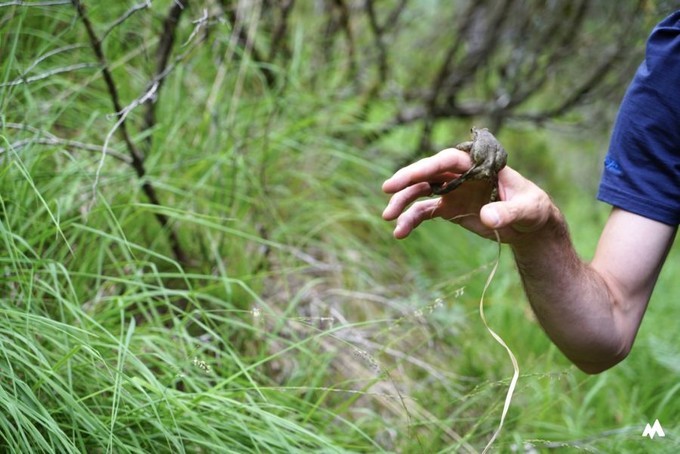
(488, 158)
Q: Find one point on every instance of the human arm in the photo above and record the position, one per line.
(591, 311)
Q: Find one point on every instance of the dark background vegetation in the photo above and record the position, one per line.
(192, 252)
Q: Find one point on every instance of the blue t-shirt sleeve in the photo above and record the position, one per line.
(642, 167)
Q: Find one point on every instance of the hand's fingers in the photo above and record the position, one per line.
(415, 215)
(404, 198)
(432, 168)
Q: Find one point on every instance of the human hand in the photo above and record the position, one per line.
(523, 207)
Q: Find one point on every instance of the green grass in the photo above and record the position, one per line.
(299, 324)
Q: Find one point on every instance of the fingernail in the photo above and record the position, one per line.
(492, 215)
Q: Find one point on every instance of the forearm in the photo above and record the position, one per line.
(571, 300)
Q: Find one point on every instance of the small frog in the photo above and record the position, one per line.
(488, 158)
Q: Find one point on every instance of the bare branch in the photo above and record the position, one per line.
(579, 93)
(248, 43)
(148, 96)
(46, 3)
(95, 42)
(440, 79)
(380, 30)
(121, 125)
(250, 33)
(379, 39)
(346, 25)
(19, 144)
(52, 53)
(584, 88)
(482, 41)
(524, 76)
(278, 37)
(47, 74)
(198, 25)
(126, 16)
(162, 56)
(498, 57)
(50, 139)
(393, 18)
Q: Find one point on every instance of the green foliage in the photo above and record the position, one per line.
(298, 323)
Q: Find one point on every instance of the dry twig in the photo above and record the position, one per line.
(137, 158)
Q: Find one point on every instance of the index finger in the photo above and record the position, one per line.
(450, 160)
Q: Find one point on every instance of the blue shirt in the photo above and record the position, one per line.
(642, 167)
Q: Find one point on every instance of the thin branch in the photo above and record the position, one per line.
(249, 48)
(148, 96)
(482, 52)
(47, 138)
(380, 30)
(583, 90)
(163, 52)
(346, 25)
(379, 39)
(19, 144)
(466, 22)
(278, 37)
(248, 43)
(96, 44)
(393, 18)
(137, 158)
(559, 35)
(198, 25)
(52, 72)
(47, 3)
(52, 53)
(452, 51)
(126, 16)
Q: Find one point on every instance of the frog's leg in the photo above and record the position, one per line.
(445, 188)
(472, 173)
(465, 146)
(475, 172)
(494, 192)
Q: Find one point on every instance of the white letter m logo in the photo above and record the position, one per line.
(654, 429)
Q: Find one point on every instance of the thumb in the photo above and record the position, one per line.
(522, 217)
(491, 217)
